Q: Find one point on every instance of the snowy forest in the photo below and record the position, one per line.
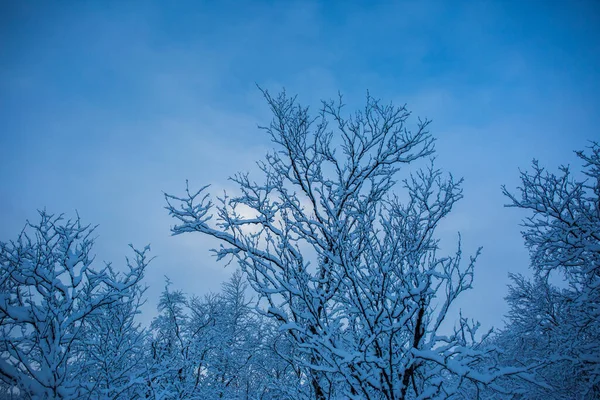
(340, 289)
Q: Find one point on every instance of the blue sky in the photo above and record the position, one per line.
(105, 105)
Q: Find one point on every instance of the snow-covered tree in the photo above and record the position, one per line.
(215, 347)
(170, 349)
(113, 355)
(559, 326)
(346, 267)
(538, 325)
(233, 340)
(49, 292)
